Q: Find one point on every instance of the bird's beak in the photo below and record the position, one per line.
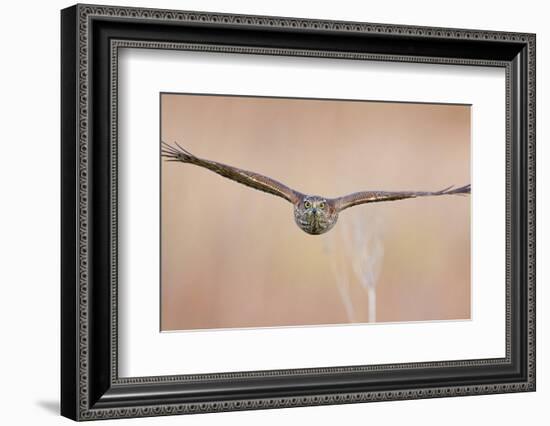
(314, 211)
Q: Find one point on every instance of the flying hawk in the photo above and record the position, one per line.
(313, 214)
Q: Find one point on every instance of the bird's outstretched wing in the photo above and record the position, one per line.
(251, 179)
(356, 198)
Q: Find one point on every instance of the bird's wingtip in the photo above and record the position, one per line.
(175, 153)
(466, 189)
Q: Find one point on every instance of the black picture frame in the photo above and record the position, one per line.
(90, 386)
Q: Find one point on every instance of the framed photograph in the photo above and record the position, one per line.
(263, 212)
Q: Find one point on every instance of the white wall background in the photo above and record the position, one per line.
(29, 212)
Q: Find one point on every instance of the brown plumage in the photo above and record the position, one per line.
(312, 213)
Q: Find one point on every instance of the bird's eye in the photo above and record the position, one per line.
(307, 204)
(322, 205)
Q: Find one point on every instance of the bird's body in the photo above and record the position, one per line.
(312, 213)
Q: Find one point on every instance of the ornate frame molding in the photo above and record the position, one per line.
(86, 405)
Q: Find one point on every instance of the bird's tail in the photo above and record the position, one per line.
(466, 189)
(177, 153)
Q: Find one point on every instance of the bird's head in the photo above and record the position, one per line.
(315, 215)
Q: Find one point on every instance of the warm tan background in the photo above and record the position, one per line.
(233, 256)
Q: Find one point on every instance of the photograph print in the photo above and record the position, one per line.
(280, 212)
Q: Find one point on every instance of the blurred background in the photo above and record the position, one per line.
(233, 257)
